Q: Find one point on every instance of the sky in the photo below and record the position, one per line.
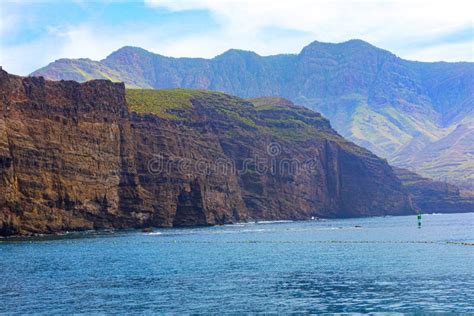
(34, 33)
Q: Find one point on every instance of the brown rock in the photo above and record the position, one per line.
(73, 157)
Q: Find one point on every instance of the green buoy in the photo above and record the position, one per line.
(418, 217)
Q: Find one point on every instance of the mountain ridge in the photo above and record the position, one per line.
(396, 108)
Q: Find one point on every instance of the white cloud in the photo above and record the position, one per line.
(388, 24)
(335, 16)
(251, 25)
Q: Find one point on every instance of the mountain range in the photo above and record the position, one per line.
(417, 115)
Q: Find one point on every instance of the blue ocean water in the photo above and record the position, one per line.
(352, 265)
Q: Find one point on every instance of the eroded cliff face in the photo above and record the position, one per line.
(74, 156)
(431, 196)
(292, 165)
(67, 156)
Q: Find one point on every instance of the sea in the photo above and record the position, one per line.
(363, 265)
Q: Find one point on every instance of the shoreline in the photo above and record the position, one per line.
(117, 231)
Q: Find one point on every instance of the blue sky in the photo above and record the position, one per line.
(34, 33)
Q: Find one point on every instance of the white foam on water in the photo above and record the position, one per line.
(154, 233)
(274, 222)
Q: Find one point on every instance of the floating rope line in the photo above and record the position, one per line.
(175, 241)
(316, 242)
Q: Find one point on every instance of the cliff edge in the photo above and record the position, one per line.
(79, 156)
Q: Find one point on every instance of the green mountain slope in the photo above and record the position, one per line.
(405, 111)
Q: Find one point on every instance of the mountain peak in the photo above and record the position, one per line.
(357, 42)
(238, 52)
(126, 51)
(351, 46)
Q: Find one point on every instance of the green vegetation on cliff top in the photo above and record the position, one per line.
(160, 102)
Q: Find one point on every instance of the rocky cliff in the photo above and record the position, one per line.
(89, 156)
(434, 196)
